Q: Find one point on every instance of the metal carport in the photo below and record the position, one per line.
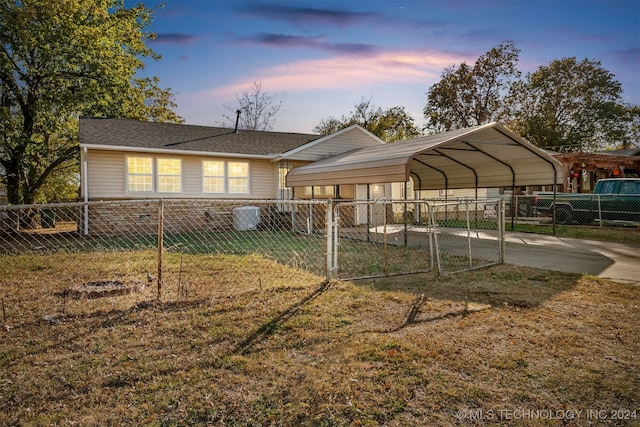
(482, 156)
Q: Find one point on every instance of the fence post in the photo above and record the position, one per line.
(599, 209)
(85, 224)
(160, 244)
(336, 239)
(386, 249)
(329, 241)
(434, 238)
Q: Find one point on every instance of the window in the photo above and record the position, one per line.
(320, 191)
(169, 176)
(238, 177)
(139, 174)
(225, 177)
(284, 192)
(607, 187)
(213, 177)
(630, 187)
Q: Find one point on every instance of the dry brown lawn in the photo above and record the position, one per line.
(246, 341)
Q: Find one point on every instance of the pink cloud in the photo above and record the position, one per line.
(347, 72)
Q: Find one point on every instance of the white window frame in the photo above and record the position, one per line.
(223, 177)
(238, 178)
(227, 179)
(158, 175)
(129, 175)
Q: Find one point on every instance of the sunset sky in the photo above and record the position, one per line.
(321, 57)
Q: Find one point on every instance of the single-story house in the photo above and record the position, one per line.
(127, 159)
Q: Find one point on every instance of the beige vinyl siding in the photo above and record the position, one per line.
(371, 174)
(339, 144)
(453, 193)
(191, 176)
(107, 176)
(263, 179)
(348, 191)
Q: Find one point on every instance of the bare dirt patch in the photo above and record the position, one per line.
(102, 289)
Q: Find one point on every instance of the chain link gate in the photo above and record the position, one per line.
(381, 238)
(393, 237)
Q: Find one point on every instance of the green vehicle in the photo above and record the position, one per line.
(615, 199)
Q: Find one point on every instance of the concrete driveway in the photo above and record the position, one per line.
(615, 261)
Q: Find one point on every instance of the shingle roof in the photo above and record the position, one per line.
(169, 136)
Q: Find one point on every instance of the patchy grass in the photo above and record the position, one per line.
(256, 343)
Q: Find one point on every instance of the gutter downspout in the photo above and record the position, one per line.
(85, 190)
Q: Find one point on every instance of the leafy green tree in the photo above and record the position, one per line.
(390, 125)
(472, 95)
(60, 60)
(570, 106)
(257, 109)
(631, 137)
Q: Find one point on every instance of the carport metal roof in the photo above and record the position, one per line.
(481, 156)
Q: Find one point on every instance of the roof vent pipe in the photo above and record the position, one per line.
(237, 120)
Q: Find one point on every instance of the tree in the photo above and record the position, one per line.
(257, 109)
(60, 60)
(467, 96)
(570, 106)
(631, 137)
(389, 125)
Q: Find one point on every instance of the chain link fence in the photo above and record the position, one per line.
(585, 209)
(387, 237)
(575, 209)
(152, 241)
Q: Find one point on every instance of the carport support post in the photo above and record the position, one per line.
(466, 204)
(501, 228)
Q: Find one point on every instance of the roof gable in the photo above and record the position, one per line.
(153, 136)
(348, 139)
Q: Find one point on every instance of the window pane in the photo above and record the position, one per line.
(214, 185)
(168, 167)
(138, 165)
(169, 184)
(238, 169)
(140, 183)
(238, 185)
(214, 168)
